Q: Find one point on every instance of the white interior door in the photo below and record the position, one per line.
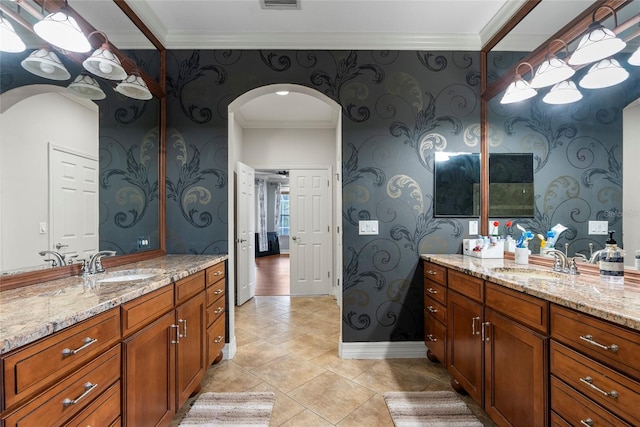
(310, 245)
(74, 203)
(245, 237)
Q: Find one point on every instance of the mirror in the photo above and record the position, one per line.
(457, 176)
(577, 148)
(121, 135)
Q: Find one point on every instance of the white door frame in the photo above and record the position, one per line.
(235, 155)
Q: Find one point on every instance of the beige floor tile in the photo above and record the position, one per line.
(332, 396)
(372, 413)
(284, 409)
(258, 353)
(227, 376)
(307, 419)
(348, 368)
(288, 372)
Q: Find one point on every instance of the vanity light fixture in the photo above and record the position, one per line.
(598, 43)
(45, 63)
(86, 86)
(10, 41)
(605, 73)
(634, 59)
(564, 92)
(552, 70)
(61, 30)
(518, 89)
(103, 62)
(134, 87)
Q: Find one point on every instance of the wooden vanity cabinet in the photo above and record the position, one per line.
(216, 307)
(435, 311)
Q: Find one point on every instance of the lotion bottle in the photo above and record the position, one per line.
(612, 262)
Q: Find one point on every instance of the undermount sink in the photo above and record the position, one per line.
(130, 275)
(526, 273)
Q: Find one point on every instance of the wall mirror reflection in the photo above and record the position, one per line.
(79, 170)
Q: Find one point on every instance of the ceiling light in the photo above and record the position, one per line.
(282, 92)
(86, 86)
(598, 43)
(134, 87)
(103, 62)
(519, 89)
(62, 30)
(10, 41)
(634, 59)
(564, 92)
(605, 73)
(553, 70)
(45, 63)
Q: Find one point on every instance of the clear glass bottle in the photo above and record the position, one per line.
(612, 262)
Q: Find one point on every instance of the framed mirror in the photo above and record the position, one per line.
(121, 209)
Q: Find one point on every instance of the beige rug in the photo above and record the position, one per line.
(230, 409)
(429, 408)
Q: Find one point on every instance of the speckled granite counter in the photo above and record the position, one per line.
(32, 312)
(585, 293)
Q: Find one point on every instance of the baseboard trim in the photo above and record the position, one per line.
(383, 350)
(229, 350)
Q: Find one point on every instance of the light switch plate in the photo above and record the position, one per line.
(598, 227)
(368, 227)
(473, 228)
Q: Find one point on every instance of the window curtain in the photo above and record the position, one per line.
(263, 243)
(276, 216)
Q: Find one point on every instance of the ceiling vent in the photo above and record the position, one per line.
(280, 4)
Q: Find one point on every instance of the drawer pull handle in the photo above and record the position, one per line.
(589, 381)
(474, 331)
(431, 309)
(588, 422)
(589, 339)
(432, 291)
(218, 291)
(177, 328)
(219, 339)
(184, 328)
(88, 387)
(431, 273)
(485, 336)
(218, 310)
(217, 273)
(431, 338)
(87, 342)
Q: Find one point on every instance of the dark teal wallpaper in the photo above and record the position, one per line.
(399, 108)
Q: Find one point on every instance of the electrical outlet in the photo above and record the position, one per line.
(598, 227)
(473, 228)
(143, 242)
(368, 227)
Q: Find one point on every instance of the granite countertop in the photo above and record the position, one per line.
(33, 312)
(617, 303)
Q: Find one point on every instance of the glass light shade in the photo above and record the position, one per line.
(134, 87)
(62, 30)
(550, 72)
(518, 90)
(105, 64)
(564, 92)
(605, 73)
(597, 44)
(44, 63)
(85, 86)
(10, 41)
(634, 59)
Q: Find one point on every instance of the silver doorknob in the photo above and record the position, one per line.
(294, 238)
(60, 246)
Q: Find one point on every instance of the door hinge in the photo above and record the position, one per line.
(328, 229)
(328, 183)
(329, 274)
(337, 177)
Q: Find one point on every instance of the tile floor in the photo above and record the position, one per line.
(289, 345)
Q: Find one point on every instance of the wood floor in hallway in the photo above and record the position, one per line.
(272, 275)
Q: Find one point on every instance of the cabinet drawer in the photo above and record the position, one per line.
(435, 334)
(435, 272)
(35, 367)
(557, 421)
(466, 285)
(215, 274)
(142, 311)
(215, 291)
(577, 410)
(610, 344)
(104, 411)
(189, 287)
(527, 310)
(215, 310)
(594, 380)
(435, 309)
(80, 387)
(215, 339)
(435, 291)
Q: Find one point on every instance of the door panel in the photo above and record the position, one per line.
(245, 224)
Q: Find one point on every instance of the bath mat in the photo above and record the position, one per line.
(230, 409)
(429, 408)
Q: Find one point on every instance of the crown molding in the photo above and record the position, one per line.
(506, 12)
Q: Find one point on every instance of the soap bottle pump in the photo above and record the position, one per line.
(612, 262)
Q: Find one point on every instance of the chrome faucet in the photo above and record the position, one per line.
(561, 260)
(95, 262)
(58, 260)
(594, 257)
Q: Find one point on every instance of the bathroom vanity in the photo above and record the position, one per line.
(532, 346)
(124, 347)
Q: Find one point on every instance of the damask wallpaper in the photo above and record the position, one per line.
(399, 108)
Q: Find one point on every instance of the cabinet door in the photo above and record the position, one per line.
(516, 372)
(149, 374)
(464, 355)
(191, 350)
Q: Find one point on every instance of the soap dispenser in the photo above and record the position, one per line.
(612, 262)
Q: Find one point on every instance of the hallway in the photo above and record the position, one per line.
(272, 275)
